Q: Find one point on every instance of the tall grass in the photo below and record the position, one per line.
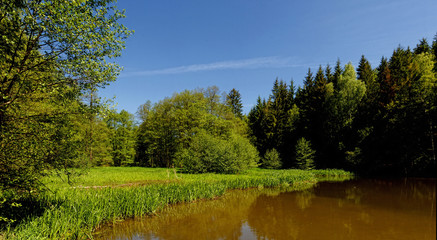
(74, 212)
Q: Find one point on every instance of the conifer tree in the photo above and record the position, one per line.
(233, 100)
(434, 51)
(281, 115)
(400, 71)
(304, 154)
(365, 72)
(368, 107)
(313, 111)
(256, 122)
(337, 73)
(384, 78)
(422, 47)
(328, 74)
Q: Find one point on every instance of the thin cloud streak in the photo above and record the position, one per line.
(252, 63)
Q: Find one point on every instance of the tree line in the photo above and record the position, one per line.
(370, 120)
(197, 132)
(375, 121)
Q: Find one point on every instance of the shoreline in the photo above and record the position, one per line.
(78, 212)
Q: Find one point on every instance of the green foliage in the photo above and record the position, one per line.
(143, 111)
(41, 37)
(365, 72)
(172, 123)
(122, 139)
(424, 87)
(376, 120)
(422, 47)
(233, 101)
(75, 212)
(256, 121)
(304, 155)
(403, 131)
(434, 51)
(271, 160)
(353, 158)
(349, 94)
(274, 122)
(51, 53)
(33, 140)
(313, 104)
(213, 154)
(94, 135)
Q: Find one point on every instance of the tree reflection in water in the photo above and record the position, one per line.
(362, 209)
(358, 209)
(223, 218)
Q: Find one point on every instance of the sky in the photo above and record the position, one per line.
(247, 44)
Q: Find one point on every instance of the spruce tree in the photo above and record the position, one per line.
(337, 73)
(365, 72)
(320, 81)
(434, 52)
(309, 79)
(279, 111)
(422, 47)
(233, 100)
(304, 154)
(328, 74)
(384, 79)
(256, 122)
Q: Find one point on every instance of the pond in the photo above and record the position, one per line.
(356, 209)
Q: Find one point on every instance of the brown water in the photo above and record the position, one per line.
(357, 209)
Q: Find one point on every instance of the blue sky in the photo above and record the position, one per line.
(247, 44)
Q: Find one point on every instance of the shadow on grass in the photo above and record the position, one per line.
(16, 210)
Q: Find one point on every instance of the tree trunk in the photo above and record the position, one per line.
(431, 128)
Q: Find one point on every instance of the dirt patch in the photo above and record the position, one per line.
(131, 184)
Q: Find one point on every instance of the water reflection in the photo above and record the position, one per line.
(358, 209)
(223, 218)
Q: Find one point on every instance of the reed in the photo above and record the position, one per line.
(105, 195)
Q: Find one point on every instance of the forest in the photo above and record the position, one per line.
(374, 121)
(369, 120)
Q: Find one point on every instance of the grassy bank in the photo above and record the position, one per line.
(111, 194)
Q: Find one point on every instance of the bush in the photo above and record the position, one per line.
(304, 154)
(271, 159)
(207, 153)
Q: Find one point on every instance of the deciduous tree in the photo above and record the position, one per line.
(51, 51)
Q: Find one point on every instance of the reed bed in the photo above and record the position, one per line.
(74, 212)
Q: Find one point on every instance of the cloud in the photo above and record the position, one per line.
(251, 63)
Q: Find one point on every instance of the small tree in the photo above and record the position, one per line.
(271, 159)
(304, 154)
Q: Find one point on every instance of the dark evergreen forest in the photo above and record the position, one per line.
(372, 120)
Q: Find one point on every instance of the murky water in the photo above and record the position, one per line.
(357, 209)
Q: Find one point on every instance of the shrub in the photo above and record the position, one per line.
(207, 153)
(271, 159)
(189, 161)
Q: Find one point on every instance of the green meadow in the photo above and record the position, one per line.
(108, 194)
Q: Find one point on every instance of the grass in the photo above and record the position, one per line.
(111, 194)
